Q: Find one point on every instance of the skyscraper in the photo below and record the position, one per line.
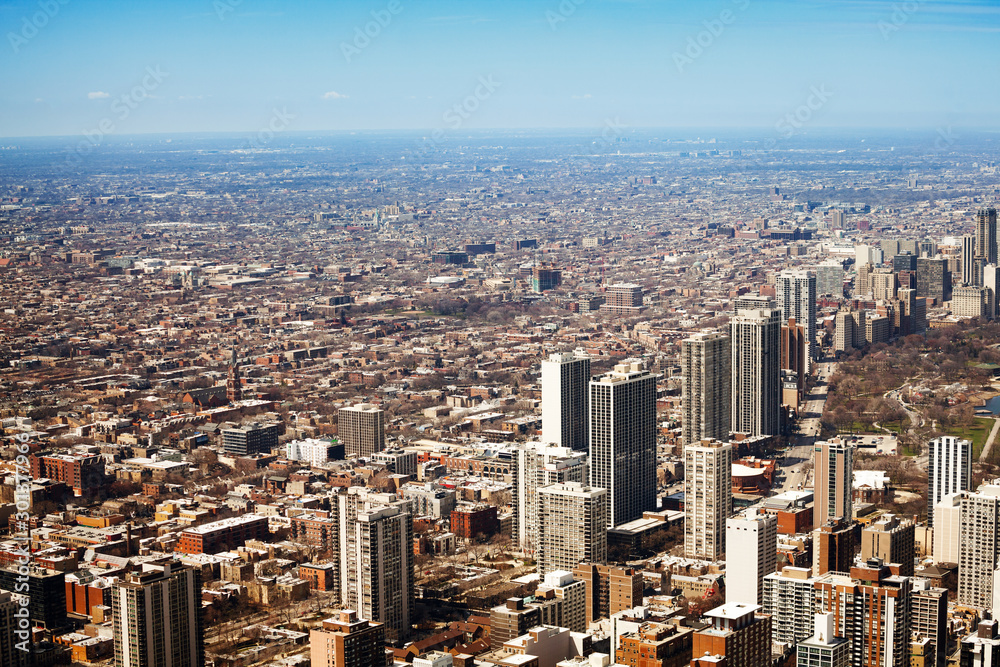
(756, 383)
(565, 380)
(362, 429)
(834, 475)
(824, 648)
(797, 298)
(9, 653)
(986, 235)
(751, 553)
(979, 546)
(708, 498)
(790, 602)
(949, 470)
(830, 278)
(991, 281)
(933, 278)
(969, 260)
(623, 440)
(157, 617)
(705, 389)
(891, 540)
(538, 465)
(572, 526)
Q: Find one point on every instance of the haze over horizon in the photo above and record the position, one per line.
(71, 68)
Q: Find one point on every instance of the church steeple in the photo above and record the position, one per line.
(234, 386)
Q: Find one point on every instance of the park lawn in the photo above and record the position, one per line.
(977, 434)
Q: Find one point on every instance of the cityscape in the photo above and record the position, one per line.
(508, 382)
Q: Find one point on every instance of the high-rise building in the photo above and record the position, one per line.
(708, 498)
(891, 540)
(833, 547)
(824, 648)
(904, 261)
(544, 278)
(46, 591)
(250, 439)
(969, 260)
(157, 617)
(753, 302)
(796, 290)
(949, 470)
(862, 282)
(738, 633)
(833, 465)
(512, 619)
(374, 555)
(790, 602)
(623, 440)
(751, 554)
(10, 654)
(572, 526)
(756, 383)
(793, 353)
(830, 278)
(979, 648)
(609, 589)
(844, 334)
(348, 641)
(362, 430)
(622, 300)
(986, 235)
(561, 592)
(933, 279)
(928, 619)
(979, 545)
(948, 528)
(991, 281)
(871, 610)
(538, 465)
(883, 284)
(705, 388)
(565, 400)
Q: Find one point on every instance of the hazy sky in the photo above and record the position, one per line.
(74, 66)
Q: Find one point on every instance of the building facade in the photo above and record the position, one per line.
(705, 388)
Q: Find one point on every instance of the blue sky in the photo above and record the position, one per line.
(69, 66)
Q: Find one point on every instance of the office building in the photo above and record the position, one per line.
(9, 653)
(792, 355)
(883, 284)
(981, 647)
(156, 615)
(979, 545)
(538, 465)
(789, 600)
(929, 618)
(348, 641)
(933, 279)
(751, 554)
(796, 290)
(623, 440)
(565, 400)
(572, 526)
(833, 547)
(753, 302)
(949, 469)
(655, 645)
(705, 387)
(250, 439)
(708, 498)
(862, 281)
(986, 235)
(756, 384)
(315, 452)
(878, 329)
(222, 535)
(84, 473)
(904, 261)
(833, 466)
(362, 429)
(824, 648)
(46, 593)
(609, 589)
(891, 540)
(845, 336)
(622, 300)
(738, 633)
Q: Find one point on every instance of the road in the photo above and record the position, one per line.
(799, 451)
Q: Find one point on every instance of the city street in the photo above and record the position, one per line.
(808, 428)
